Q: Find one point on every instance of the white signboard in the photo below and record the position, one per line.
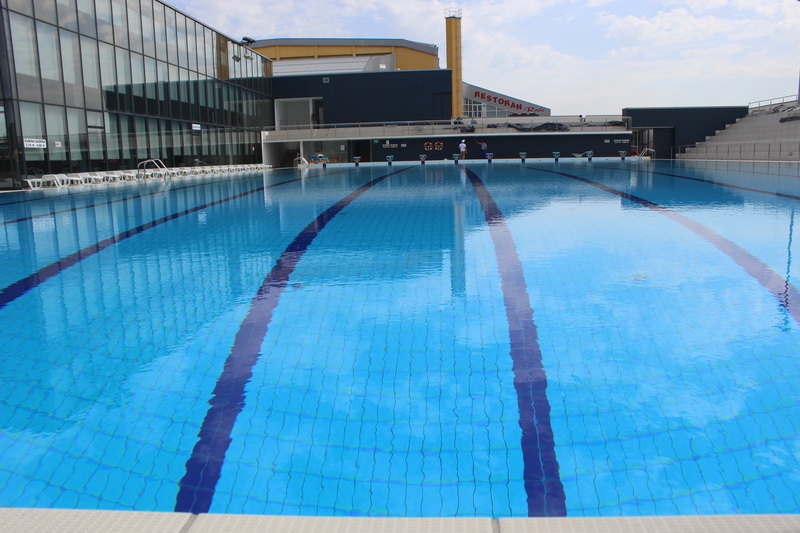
(34, 143)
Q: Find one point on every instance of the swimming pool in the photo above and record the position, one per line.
(588, 339)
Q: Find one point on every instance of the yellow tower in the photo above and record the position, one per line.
(453, 21)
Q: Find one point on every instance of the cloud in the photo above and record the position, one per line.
(575, 56)
(675, 28)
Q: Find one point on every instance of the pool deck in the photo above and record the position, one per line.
(85, 521)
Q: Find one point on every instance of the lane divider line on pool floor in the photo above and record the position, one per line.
(545, 492)
(204, 466)
(781, 289)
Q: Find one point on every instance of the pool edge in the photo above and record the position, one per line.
(88, 521)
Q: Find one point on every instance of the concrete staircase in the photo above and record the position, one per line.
(768, 133)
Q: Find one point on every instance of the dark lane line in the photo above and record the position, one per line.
(545, 492)
(781, 289)
(20, 287)
(712, 182)
(204, 467)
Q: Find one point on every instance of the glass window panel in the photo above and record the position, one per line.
(112, 140)
(200, 46)
(163, 87)
(78, 140)
(177, 139)
(166, 142)
(134, 25)
(150, 77)
(46, 10)
(105, 25)
(138, 84)
(140, 132)
(184, 85)
(32, 120)
(23, 6)
(95, 119)
(137, 75)
(127, 147)
(174, 91)
(96, 149)
(123, 71)
(71, 62)
(26, 58)
(86, 19)
(108, 75)
(56, 135)
(67, 14)
(124, 79)
(172, 36)
(119, 11)
(153, 134)
(180, 26)
(160, 25)
(211, 67)
(191, 44)
(193, 89)
(148, 28)
(92, 85)
(50, 63)
(95, 124)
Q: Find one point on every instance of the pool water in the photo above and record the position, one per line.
(583, 339)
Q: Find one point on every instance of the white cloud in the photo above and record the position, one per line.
(677, 27)
(575, 56)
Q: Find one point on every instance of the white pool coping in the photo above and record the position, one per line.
(13, 520)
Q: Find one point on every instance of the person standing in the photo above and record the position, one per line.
(484, 147)
(462, 148)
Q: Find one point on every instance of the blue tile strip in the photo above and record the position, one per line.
(204, 467)
(784, 292)
(540, 466)
(22, 286)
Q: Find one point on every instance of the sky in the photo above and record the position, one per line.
(591, 57)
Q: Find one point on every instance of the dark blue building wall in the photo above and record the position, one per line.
(677, 127)
(401, 95)
(538, 145)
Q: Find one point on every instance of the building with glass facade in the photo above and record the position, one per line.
(90, 85)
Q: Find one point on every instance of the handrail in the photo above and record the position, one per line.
(481, 122)
(779, 100)
(141, 167)
(647, 151)
(424, 128)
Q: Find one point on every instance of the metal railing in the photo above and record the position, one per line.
(508, 125)
(774, 101)
(743, 151)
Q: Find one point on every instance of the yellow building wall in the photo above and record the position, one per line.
(407, 58)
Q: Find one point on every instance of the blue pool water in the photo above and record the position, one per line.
(495, 340)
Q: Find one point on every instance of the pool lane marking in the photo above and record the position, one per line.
(545, 492)
(20, 287)
(712, 182)
(782, 290)
(204, 467)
